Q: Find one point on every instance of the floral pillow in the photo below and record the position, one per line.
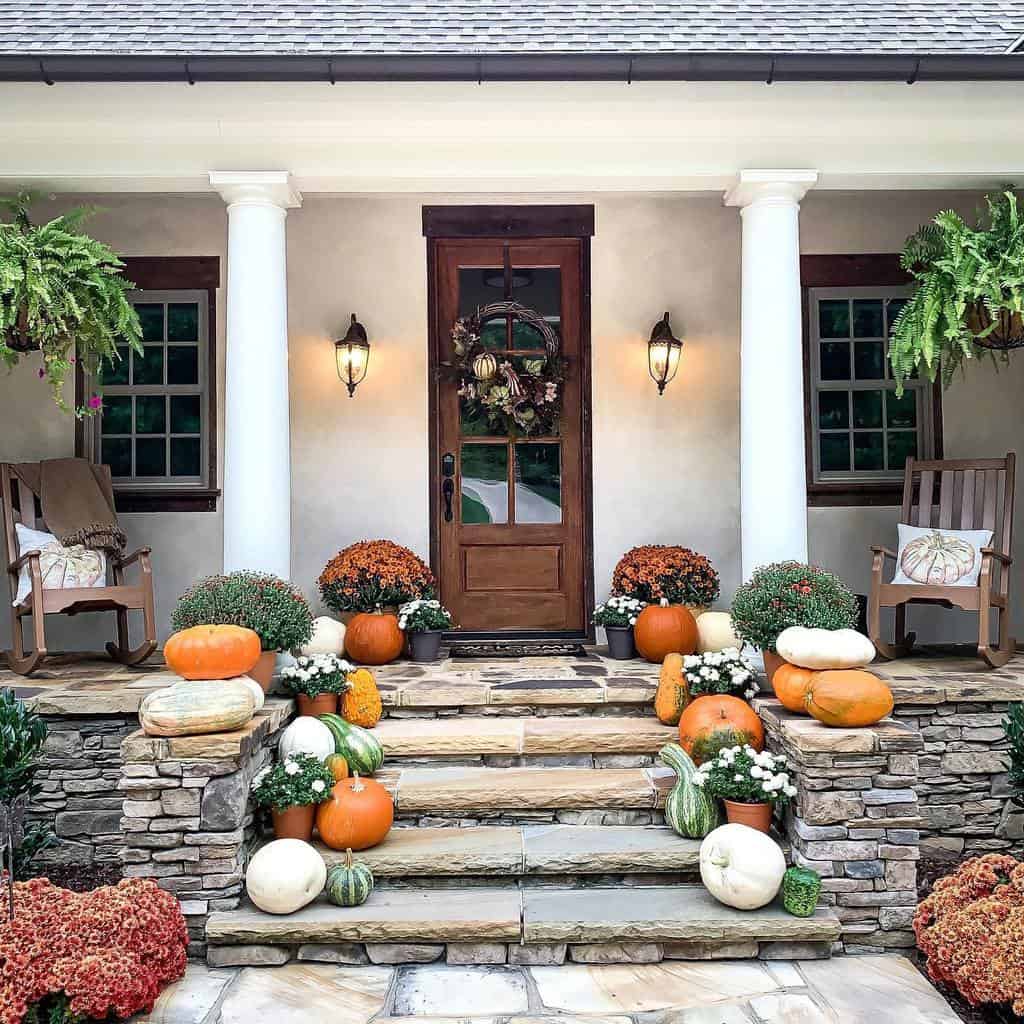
(942, 558)
(62, 568)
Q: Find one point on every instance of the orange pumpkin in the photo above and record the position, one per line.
(790, 685)
(373, 638)
(673, 693)
(357, 815)
(716, 720)
(212, 652)
(665, 629)
(848, 698)
(337, 766)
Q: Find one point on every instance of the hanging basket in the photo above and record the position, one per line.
(17, 338)
(1005, 330)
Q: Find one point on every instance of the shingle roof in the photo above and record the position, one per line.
(482, 27)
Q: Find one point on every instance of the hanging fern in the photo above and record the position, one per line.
(959, 270)
(63, 293)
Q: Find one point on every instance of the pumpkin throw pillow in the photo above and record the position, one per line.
(940, 558)
(62, 568)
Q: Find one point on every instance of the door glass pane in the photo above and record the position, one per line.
(185, 414)
(485, 483)
(835, 360)
(902, 446)
(538, 483)
(901, 412)
(867, 408)
(148, 368)
(479, 286)
(182, 364)
(494, 333)
(151, 316)
(834, 318)
(869, 360)
(833, 410)
(117, 415)
(834, 452)
(183, 321)
(867, 318)
(473, 422)
(539, 289)
(150, 414)
(116, 452)
(526, 336)
(867, 450)
(151, 456)
(185, 457)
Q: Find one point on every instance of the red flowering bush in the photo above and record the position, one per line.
(653, 572)
(971, 929)
(105, 952)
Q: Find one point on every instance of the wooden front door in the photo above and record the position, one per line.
(511, 510)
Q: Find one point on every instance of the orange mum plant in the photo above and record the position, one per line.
(971, 929)
(656, 572)
(373, 574)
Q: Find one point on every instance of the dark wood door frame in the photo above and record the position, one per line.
(501, 223)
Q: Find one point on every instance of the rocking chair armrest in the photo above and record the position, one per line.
(999, 556)
(130, 559)
(880, 549)
(18, 563)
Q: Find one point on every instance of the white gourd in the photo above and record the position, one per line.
(328, 637)
(741, 867)
(715, 633)
(306, 735)
(196, 706)
(284, 876)
(258, 696)
(823, 649)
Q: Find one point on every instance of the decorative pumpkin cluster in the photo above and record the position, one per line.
(372, 574)
(786, 594)
(659, 572)
(315, 674)
(88, 955)
(724, 671)
(745, 775)
(971, 930)
(296, 781)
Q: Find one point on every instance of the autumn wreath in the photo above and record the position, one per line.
(514, 394)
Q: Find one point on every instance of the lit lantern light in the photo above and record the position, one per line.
(663, 351)
(352, 354)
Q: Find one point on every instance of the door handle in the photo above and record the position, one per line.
(447, 490)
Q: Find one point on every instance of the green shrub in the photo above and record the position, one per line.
(1013, 726)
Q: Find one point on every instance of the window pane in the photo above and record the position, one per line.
(182, 364)
(115, 371)
(869, 360)
(151, 316)
(185, 456)
(150, 414)
(148, 368)
(485, 483)
(185, 414)
(151, 456)
(893, 308)
(526, 336)
(867, 451)
(834, 452)
(494, 333)
(117, 415)
(473, 423)
(538, 483)
(479, 286)
(867, 318)
(834, 318)
(835, 360)
(539, 289)
(116, 452)
(902, 446)
(833, 409)
(183, 321)
(901, 412)
(867, 408)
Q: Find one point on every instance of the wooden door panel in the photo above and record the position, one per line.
(512, 567)
(547, 611)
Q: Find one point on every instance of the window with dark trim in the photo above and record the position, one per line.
(859, 434)
(158, 427)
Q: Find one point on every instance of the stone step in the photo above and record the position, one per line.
(468, 735)
(531, 850)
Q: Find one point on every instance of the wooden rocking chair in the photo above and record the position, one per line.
(19, 506)
(973, 495)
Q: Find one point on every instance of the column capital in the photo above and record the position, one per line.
(771, 186)
(256, 188)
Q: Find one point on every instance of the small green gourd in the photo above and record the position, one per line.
(801, 888)
(690, 811)
(349, 884)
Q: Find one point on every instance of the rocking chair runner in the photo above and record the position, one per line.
(973, 495)
(19, 506)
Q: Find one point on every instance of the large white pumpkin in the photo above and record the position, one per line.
(328, 637)
(285, 875)
(306, 735)
(194, 707)
(823, 649)
(258, 696)
(741, 867)
(715, 633)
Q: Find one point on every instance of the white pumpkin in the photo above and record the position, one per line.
(306, 735)
(194, 707)
(823, 649)
(258, 696)
(741, 867)
(285, 875)
(715, 633)
(328, 637)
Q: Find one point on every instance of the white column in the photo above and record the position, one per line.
(257, 471)
(773, 478)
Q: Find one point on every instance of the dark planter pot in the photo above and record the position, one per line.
(621, 645)
(426, 646)
(323, 704)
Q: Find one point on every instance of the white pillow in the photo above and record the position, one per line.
(62, 568)
(943, 558)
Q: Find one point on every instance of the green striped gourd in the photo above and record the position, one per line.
(360, 748)
(689, 810)
(349, 884)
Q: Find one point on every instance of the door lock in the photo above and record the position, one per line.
(448, 484)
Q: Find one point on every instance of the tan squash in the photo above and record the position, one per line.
(673, 694)
(848, 698)
(197, 706)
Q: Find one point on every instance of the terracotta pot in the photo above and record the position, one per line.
(294, 822)
(772, 661)
(324, 704)
(263, 670)
(757, 816)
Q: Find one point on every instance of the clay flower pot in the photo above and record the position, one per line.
(263, 670)
(324, 704)
(757, 816)
(772, 661)
(294, 822)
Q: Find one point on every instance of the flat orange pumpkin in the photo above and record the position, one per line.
(358, 815)
(212, 652)
(790, 684)
(848, 698)
(665, 629)
(373, 638)
(718, 715)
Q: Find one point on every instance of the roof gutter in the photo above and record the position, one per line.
(553, 67)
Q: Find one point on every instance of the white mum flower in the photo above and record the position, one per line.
(756, 772)
(737, 778)
(291, 768)
(790, 791)
(318, 786)
(260, 776)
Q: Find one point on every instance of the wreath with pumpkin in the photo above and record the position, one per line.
(514, 394)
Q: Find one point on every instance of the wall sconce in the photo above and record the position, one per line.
(663, 351)
(352, 354)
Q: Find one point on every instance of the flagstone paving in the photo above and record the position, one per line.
(844, 990)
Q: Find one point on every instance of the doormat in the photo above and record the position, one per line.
(508, 649)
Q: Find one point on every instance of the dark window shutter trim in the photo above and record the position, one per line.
(539, 221)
